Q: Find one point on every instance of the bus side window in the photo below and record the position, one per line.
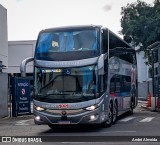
(103, 83)
(105, 41)
(127, 83)
(116, 84)
(112, 85)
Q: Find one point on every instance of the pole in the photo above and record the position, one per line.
(153, 82)
(108, 45)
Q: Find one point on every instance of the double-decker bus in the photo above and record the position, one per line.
(82, 75)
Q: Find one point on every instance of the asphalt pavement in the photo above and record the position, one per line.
(143, 122)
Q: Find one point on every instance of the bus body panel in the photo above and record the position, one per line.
(75, 112)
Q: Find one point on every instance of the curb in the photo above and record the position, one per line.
(141, 101)
(20, 117)
(148, 108)
(145, 107)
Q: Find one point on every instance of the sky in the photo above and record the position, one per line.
(26, 18)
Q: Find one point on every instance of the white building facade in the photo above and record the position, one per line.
(17, 52)
(3, 37)
(3, 63)
(143, 77)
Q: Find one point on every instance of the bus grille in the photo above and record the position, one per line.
(68, 112)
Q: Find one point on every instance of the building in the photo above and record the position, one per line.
(143, 76)
(17, 52)
(3, 62)
(154, 50)
(3, 38)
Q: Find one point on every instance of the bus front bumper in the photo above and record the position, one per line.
(88, 117)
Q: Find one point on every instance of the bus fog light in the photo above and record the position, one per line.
(37, 118)
(92, 117)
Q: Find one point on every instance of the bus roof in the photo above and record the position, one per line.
(122, 43)
(66, 28)
(116, 38)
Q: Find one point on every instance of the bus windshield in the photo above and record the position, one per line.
(66, 85)
(67, 41)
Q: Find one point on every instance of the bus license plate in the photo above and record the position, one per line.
(64, 122)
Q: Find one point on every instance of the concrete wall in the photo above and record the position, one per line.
(142, 67)
(3, 36)
(142, 91)
(3, 94)
(142, 76)
(17, 52)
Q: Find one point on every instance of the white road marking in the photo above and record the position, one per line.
(148, 119)
(73, 142)
(23, 122)
(127, 119)
(125, 131)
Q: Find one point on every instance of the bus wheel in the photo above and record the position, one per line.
(109, 122)
(130, 112)
(115, 112)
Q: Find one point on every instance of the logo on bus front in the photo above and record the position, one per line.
(63, 106)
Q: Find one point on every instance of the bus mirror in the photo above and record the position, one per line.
(101, 65)
(23, 66)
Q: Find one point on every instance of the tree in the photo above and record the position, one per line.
(140, 23)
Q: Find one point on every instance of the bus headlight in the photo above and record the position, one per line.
(93, 107)
(38, 108)
(90, 108)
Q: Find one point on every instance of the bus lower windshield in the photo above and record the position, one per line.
(66, 85)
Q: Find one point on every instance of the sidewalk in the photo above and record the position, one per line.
(143, 104)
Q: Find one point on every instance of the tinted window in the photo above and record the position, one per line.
(120, 83)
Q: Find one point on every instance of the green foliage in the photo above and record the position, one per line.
(140, 23)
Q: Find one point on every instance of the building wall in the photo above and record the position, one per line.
(17, 52)
(142, 76)
(3, 94)
(142, 67)
(3, 36)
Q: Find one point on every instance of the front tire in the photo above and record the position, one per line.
(115, 112)
(130, 112)
(109, 122)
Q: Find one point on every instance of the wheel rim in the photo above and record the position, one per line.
(132, 106)
(115, 112)
(109, 115)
